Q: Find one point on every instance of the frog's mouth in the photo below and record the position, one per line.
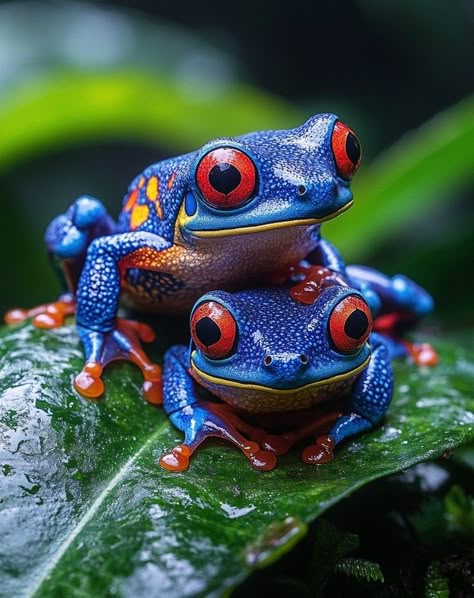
(270, 389)
(258, 228)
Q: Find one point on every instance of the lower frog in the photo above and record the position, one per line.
(274, 359)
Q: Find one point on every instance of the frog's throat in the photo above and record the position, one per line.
(277, 391)
(245, 230)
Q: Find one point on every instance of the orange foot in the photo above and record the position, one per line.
(129, 334)
(422, 353)
(320, 452)
(49, 315)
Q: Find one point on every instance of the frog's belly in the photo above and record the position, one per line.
(257, 401)
(172, 280)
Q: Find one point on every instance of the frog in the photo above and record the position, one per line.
(306, 357)
(228, 215)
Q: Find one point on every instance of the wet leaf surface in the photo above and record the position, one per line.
(84, 509)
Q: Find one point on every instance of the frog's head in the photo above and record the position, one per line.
(271, 179)
(263, 340)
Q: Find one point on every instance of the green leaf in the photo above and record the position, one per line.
(68, 107)
(85, 510)
(360, 569)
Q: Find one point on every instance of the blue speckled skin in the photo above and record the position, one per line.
(271, 323)
(166, 251)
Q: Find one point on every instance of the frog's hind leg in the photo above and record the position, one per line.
(67, 239)
(371, 396)
(200, 419)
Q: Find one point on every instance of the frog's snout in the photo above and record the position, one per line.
(323, 197)
(286, 365)
(326, 188)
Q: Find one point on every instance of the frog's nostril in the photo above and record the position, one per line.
(304, 359)
(268, 360)
(302, 190)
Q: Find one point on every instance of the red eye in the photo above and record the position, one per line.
(226, 177)
(346, 149)
(350, 324)
(213, 330)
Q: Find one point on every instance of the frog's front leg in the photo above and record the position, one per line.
(67, 239)
(328, 256)
(371, 396)
(104, 337)
(199, 418)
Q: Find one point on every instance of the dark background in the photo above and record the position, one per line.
(385, 67)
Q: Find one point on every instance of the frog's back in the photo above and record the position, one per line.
(154, 197)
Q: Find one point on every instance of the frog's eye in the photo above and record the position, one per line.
(213, 330)
(226, 177)
(346, 150)
(350, 324)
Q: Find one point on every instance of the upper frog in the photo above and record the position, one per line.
(247, 184)
(230, 215)
(239, 209)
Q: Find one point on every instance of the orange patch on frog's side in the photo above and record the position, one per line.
(171, 180)
(141, 182)
(152, 188)
(145, 257)
(153, 194)
(131, 201)
(139, 216)
(159, 210)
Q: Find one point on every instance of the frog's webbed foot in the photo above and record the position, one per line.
(421, 353)
(280, 444)
(121, 343)
(49, 315)
(205, 419)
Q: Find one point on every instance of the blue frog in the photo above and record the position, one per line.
(227, 216)
(290, 354)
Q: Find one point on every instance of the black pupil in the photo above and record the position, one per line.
(224, 177)
(207, 331)
(356, 324)
(353, 148)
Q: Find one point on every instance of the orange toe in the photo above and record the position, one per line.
(16, 316)
(177, 459)
(88, 383)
